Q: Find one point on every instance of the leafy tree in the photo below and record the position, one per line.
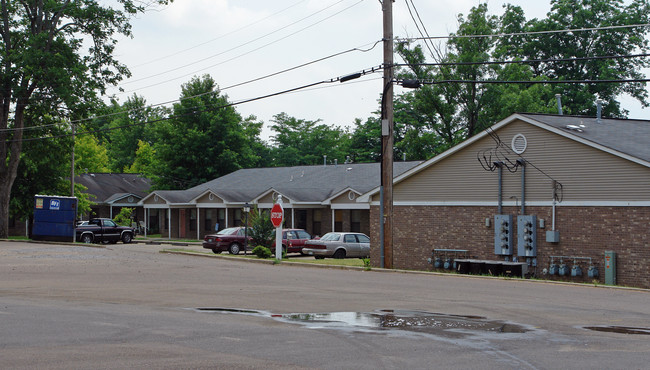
(127, 129)
(145, 161)
(56, 55)
(89, 155)
(564, 14)
(301, 142)
(206, 138)
(445, 113)
(365, 140)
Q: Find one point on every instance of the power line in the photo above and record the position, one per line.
(295, 89)
(243, 54)
(528, 61)
(360, 49)
(222, 36)
(432, 82)
(234, 48)
(417, 25)
(526, 33)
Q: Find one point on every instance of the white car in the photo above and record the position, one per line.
(339, 245)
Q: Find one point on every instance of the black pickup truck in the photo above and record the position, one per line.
(104, 230)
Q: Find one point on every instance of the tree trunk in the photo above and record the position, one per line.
(9, 169)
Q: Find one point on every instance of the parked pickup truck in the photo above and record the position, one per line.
(104, 230)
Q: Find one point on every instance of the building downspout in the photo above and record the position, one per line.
(500, 197)
(522, 163)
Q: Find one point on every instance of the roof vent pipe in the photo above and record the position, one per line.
(336, 162)
(599, 110)
(324, 160)
(559, 103)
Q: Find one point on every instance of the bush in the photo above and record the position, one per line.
(262, 252)
(124, 217)
(261, 229)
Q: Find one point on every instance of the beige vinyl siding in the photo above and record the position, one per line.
(587, 174)
(345, 198)
(206, 199)
(153, 200)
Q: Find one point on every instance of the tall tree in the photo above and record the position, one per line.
(204, 139)
(57, 54)
(609, 41)
(301, 142)
(445, 113)
(128, 127)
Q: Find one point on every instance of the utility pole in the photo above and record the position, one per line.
(386, 188)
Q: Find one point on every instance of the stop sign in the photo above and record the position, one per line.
(277, 215)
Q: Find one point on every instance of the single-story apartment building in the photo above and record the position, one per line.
(318, 199)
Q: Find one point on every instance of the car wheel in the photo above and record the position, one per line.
(339, 254)
(87, 238)
(234, 248)
(126, 238)
(319, 257)
(216, 251)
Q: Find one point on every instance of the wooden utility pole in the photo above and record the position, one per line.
(386, 208)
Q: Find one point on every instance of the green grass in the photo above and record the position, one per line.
(354, 262)
(18, 238)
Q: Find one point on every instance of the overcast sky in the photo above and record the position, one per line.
(236, 41)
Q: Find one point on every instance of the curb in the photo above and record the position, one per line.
(397, 271)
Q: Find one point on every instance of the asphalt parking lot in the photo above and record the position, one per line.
(129, 306)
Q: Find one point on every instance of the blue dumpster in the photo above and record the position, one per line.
(54, 218)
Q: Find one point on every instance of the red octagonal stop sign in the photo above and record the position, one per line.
(277, 215)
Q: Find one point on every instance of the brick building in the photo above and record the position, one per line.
(585, 180)
(318, 199)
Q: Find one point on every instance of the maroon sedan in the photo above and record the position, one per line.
(230, 239)
(294, 239)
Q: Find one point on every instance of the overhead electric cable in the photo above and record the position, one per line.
(222, 36)
(417, 26)
(240, 55)
(527, 32)
(527, 60)
(210, 92)
(430, 82)
(233, 48)
(244, 101)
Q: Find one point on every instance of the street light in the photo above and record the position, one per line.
(247, 208)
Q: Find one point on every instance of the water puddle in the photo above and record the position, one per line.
(393, 321)
(620, 329)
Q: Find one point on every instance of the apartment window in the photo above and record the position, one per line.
(355, 220)
(338, 220)
(192, 219)
(316, 223)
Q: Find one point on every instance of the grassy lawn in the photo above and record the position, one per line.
(355, 262)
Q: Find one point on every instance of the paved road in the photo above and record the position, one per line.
(128, 306)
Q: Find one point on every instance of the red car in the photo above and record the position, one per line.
(230, 239)
(293, 240)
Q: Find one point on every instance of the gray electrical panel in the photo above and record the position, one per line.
(527, 236)
(503, 231)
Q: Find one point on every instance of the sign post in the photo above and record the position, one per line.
(277, 216)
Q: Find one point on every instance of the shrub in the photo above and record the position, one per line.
(261, 229)
(124, 217)
(262, 252)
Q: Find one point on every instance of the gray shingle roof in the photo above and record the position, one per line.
(628, 136)
(309, 184)
(111, 186)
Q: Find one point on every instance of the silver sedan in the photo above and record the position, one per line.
(338, 245)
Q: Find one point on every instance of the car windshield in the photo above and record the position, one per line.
(227, 231)
(331, 237)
